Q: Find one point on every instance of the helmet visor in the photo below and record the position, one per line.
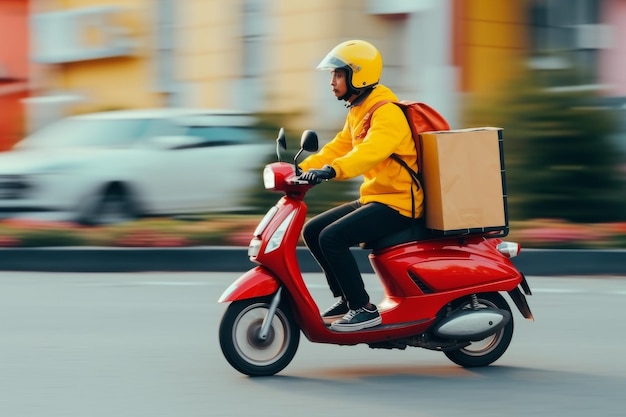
(331, 62)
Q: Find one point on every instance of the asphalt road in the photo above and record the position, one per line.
(145, 344)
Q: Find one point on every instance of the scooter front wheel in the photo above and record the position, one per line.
(242, 344)
(486, 351)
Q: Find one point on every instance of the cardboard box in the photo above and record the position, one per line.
(464, 181)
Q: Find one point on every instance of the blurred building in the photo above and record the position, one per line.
(260, 55)
(92, 55)
(584, 35)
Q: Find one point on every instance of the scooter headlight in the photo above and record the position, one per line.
(254, 247)
(279, 233)
(265, 221)
(269, 178)
(275, 175)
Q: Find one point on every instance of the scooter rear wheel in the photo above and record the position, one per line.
(486, 351)
(245, 350)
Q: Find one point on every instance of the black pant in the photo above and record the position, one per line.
(330, 235)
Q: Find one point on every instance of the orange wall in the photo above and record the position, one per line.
(13, 27)
(489, 41)
(13, 71)
(12, 119)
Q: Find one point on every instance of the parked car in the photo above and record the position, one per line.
(114, 166)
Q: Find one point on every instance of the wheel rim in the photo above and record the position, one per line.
(488, 344)
(246, 338)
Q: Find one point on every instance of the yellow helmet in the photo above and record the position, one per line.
(360, 59)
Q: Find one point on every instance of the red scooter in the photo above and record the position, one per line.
(441, 294)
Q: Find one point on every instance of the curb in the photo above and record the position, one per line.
(548, 262)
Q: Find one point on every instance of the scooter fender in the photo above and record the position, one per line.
(257, 282)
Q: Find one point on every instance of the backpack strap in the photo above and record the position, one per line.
(368, 118)
(416, 177)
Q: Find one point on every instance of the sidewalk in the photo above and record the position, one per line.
(550, 262)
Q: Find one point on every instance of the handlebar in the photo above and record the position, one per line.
(295, 180)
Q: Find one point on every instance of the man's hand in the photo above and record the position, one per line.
(315, 176)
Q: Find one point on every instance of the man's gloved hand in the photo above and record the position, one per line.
(315, 176)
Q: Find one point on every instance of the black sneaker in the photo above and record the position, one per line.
(359, 319)
(336, 311)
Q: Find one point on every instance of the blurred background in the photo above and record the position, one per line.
(550, 72)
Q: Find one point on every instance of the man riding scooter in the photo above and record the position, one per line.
(388, 199)
(440, 294)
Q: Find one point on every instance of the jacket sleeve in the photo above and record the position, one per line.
(388, 128)
(340, 145)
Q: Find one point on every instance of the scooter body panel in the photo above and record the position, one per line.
(255, 283)
(421, 268)
(406, 309)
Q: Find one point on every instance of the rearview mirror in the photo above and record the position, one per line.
(309, 141)
(281, 140)
(281, 143)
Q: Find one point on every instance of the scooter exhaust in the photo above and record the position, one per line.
(472, 325)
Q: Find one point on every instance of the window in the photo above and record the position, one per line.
(225, 135)
(555, 23)
(85, 132)
(559, 35)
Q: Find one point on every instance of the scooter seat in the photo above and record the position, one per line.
(416, 232)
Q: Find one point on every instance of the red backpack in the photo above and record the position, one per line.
(421, 118)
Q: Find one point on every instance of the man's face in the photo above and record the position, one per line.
(338, 82)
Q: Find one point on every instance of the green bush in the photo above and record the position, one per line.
(50, 237)
(561, 161)
(236, 230)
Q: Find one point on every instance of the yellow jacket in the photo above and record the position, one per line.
(384, 180)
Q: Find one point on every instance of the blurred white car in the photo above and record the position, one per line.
(114, 166)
